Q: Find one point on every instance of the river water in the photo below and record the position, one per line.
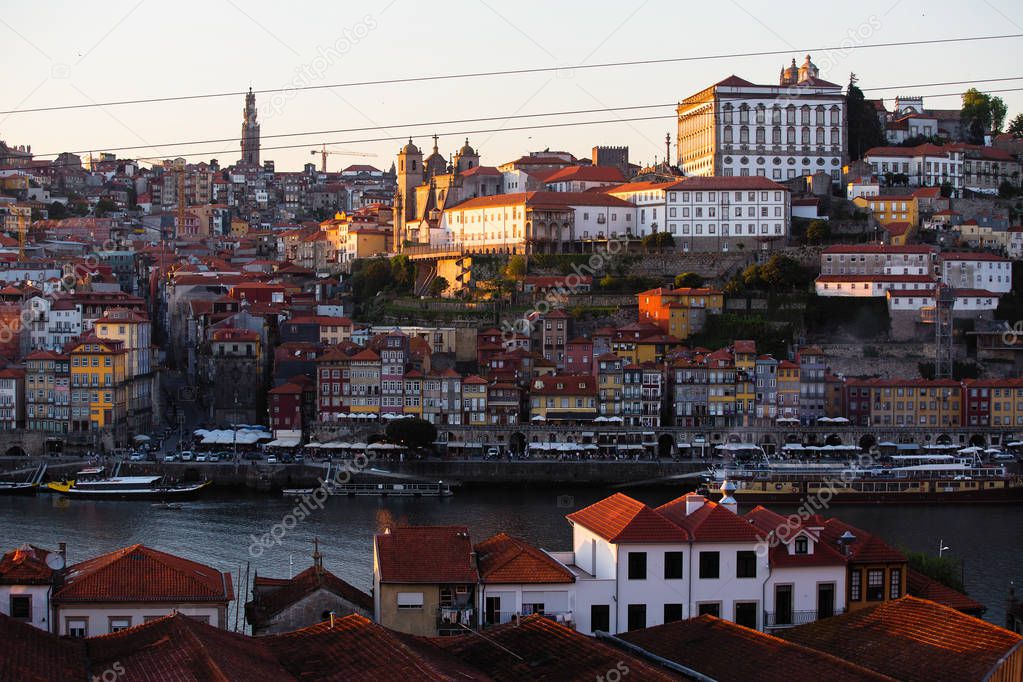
(219, 529)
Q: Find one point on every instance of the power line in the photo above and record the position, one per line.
(489, 118)
(521, 71)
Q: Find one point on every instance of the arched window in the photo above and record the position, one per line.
(776, 115)
(775, 135)
(743, 135)
(726, 114)
(820, 136)
(806, 135)
(835, 140)
(804, 115)
(791, 136)
(761, 135)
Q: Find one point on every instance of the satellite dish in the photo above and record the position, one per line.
(55, 561)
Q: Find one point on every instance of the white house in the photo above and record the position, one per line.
(517, 580)
(871, 286)
(26, 580)
(976, 271)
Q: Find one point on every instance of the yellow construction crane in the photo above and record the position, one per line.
(323, 152)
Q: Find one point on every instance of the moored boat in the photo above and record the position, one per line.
(12, 488)
(91, 485)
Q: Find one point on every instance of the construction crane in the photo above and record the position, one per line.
(323, 152)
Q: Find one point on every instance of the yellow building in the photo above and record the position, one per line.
(134, 331)
(414, 393)
(563, 397)
(239, 228)
(365, 382)
(745, 359)
(915, 402)
(788, 390)
(98, 388)
(679, 312)
(474, 401)
(892, 209)
(610, 384)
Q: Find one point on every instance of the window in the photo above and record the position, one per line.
(673, 565)
(746, 614)
(672, 612)
(875, 584)
(637, 616)
(77, 627)
(118, 623)
(21, 606)
(745, 564)
(410, 600)
(895, 583)
(710, 564)
(600, 617)
(637, 565)
(855, 586)
(801, 545)
(709, 609)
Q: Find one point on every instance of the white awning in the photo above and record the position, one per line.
(284, 443)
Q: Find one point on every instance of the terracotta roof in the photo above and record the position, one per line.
(912, 639)
(33, 655)
(620, 519)
(972, 256)
(879, 248)
(866, 548)
(141, 574)
(723, 651)
(288, 592)
(507, 560)
(26, 566)
(701, 182)
(542, 200)
(710, 523)
(426, 554)
(587, 174)
(538, 648)
(570, 384)
(925, 587)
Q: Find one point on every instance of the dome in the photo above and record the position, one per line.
(410, 148)
(466, 150)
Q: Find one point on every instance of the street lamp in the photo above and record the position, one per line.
(942, 547)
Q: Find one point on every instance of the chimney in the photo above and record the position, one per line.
(62, 550)
(727, 501)
(694, 502)
(846, 539)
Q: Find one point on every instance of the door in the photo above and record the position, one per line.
(783, 605)
(746, 614)
(825, 600)
(492, 609)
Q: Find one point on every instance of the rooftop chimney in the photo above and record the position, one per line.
(846, 539)
(727, 501)
(694, 502)
(62, 550)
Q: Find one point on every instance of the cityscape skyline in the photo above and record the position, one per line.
(363, 48)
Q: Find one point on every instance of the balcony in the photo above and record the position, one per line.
(779, 620)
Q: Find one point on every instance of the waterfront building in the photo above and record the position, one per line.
(47, 392)
(364, 369)
(679, 312)
(474, 401)
(98, 401)
(610, 385)
(134, 330)
(394, 357)
(516, 580)
(563, 397)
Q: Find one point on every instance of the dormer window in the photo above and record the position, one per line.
(801, 545)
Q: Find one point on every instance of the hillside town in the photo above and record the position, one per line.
(700, 411)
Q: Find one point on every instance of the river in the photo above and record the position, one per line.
(218, 530)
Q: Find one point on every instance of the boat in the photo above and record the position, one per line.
(297, 492)
(896, 479)
(12, 488)
(91, 484)
(391, 489)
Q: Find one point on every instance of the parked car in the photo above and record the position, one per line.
(213, 457)
(202, 457)
(136, 457)
(170, 457)
(493, 453)
(299, 459)
(272, 459)
(187, 456)
(288, 458)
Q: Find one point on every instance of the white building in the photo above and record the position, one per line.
(518, 580)
(738, 128)
(871, 286)
(926, 165)
(968, 302)
(878, 259)
(984, 271)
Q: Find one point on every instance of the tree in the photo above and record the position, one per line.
(56, 210)
(818, 231)
(104, 206)
(688, 280)
(781, 272)
(946, 189)
(981, 113)
(945, 570)
(516, 268)
(1016, 126)
(438, 286)
(865, 130)
(370, 278)
(403, 272)
(751, 276)
(658, 240)
(415, 432)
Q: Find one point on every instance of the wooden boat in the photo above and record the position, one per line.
(297, 492)
(91, 485)
(12, 488)
(391, 489)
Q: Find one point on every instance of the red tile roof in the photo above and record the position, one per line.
(26, 566)
(426, 554)
(620, 519)
(284, 593)
(879, 248)
(30, 654)
(925, 587)
(723, 650)
(507, 560)
(538, 648)
(710, 523)
(141, 574)
(542, 200)
(587, 174)
(913, 639)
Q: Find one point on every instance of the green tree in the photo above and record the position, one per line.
(403, 272)
(1016, 126)
(658, 240)
(415, 432)
(751, 276)
(438, 286)
(946, 571)
(516, 268)
(946, 189)
(982, 113)
(818, 231)
(781, 272)
(56, 210)
(370, 278)
(865, 130)
(688, 280)
(104, 206)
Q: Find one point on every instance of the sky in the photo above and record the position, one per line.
(57, 53)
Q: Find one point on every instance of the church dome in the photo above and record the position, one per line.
(466, 150)
(410, 148)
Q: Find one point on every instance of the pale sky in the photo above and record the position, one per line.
(57, 53)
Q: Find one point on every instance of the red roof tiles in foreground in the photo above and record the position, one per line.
(728, 652)
(537, 648)
(915, 639)
(710, 522)
(507, 560)
(426, 554)
(32, 655)
(25, 566)
(142, 574)
(621, 519)
(925, 587)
